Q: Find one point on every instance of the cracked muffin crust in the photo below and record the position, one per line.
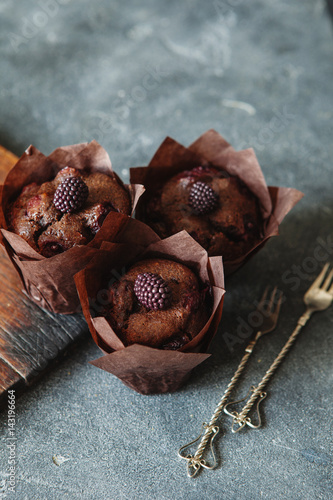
(34, 216)
(230, 228)
(184, 317)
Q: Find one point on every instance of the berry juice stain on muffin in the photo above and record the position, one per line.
(216, 209)
(158, 303)
(67, 211)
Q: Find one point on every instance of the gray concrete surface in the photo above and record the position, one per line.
(128, 74)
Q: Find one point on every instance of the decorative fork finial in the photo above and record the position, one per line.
(195, 462)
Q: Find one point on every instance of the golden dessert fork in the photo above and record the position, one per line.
(269, 310)
(318, 298)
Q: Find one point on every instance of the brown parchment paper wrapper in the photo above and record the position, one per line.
(148, 370)
(172, 158)
(50, 281)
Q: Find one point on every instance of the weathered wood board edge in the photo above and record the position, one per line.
(32, 340)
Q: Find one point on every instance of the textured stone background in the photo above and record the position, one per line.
(128, 74)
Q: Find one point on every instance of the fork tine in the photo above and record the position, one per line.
(278, 305)
(271, 302)
(317, 282)
(328, 281)
(263, 298)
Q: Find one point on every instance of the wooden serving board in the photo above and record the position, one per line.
(31, 339)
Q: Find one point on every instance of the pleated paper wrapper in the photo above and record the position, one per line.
(50, 281)
(148, 370)
(171, 158)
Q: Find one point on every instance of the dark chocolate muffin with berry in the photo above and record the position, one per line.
(66, 211)
(216, 209)
(158, 303)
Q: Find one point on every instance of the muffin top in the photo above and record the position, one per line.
(181, 313)
(66, 211)
(216, 209)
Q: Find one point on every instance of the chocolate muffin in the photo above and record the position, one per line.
(158, 303)
(216, 209)
(66, 211)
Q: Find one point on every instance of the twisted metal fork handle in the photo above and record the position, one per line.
(241, 418)
(195, 461)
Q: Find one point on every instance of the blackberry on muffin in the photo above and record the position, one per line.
(159, 303)
(66, 211)
(215, 208)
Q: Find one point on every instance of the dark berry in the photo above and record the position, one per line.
(202, 198)
(202, 170)
(152, 291)
(51, 248)
(176, 343)
(104, 210)
(192, 300)
(249, 223)
(71, 194)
